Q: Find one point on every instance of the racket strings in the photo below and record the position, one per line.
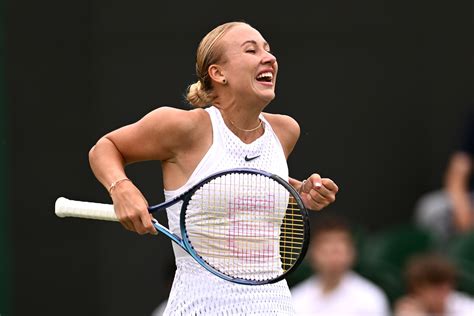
(292, 235)
(246, 226)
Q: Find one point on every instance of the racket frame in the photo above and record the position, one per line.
(185, 243)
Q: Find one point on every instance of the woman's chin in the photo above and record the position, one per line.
(267, 96)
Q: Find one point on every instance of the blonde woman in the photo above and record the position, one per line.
(227, 128)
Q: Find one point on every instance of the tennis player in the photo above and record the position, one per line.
(227, 129)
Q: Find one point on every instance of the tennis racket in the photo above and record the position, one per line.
(243, 225)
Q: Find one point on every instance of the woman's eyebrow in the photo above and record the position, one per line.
(255, 43)
(249, 42)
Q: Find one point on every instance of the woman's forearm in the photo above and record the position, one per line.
(106, 162)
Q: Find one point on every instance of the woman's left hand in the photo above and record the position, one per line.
(317, 192)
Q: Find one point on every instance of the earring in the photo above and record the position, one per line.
(224, 81)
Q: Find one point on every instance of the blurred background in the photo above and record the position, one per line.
(380, 88)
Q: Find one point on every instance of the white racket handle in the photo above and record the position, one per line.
(72, 208)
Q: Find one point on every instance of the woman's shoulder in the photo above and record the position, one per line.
(178, 114)
(181, 127)
(286, 128)
(177, 118)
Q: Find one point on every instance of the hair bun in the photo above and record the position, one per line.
(196, 95)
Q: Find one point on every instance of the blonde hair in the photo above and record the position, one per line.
(201, 92)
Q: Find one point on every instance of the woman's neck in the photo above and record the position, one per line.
(244, 122)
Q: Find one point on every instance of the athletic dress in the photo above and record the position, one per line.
(195, 291)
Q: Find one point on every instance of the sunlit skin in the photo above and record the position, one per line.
(180, 138)
(247, 54)
(332, 254)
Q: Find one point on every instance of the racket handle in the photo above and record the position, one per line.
(72, 208)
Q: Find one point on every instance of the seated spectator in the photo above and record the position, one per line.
(450, 210)
(335, 289)
(430, 280)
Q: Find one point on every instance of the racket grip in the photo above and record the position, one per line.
(72, 208)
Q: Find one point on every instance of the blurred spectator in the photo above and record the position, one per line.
(430, 280)
(335, 289)
(449, 211)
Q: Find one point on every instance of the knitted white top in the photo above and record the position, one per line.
(195, 291)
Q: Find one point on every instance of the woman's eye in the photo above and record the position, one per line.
(250, 50)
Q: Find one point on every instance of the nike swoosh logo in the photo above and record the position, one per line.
(247, 158)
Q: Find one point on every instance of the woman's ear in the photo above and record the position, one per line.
(217, 74)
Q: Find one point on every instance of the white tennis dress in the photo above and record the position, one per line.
(195, 291)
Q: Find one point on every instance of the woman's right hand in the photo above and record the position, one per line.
(131, 208)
